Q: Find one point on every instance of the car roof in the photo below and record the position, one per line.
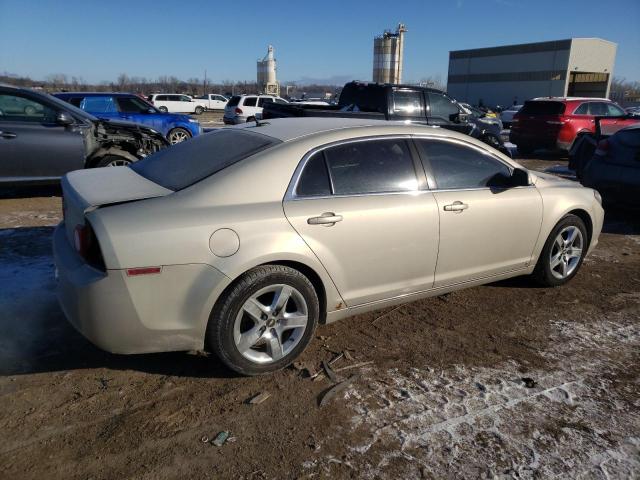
(569, 99)
(94, 94)
(287, 129)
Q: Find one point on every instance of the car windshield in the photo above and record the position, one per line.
(543, 107)
(189, 162)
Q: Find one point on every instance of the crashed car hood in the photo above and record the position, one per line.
(129, 126)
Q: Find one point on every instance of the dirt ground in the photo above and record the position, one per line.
(500, 381)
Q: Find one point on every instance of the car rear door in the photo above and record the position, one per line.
(360, 207)
(407, 104)
(32, 144)
(485, 230)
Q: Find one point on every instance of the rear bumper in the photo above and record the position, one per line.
(150, 313)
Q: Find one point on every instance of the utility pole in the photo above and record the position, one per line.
(204, 85)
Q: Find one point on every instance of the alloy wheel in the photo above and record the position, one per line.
(120, 162)
(566, 252)
(177, 137)
(271, 323)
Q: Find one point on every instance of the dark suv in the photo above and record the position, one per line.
(43, 137)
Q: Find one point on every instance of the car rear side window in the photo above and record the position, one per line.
(189, 162)
(264, 100)
(314, 180)
(132, 105)
(456, 166)
(582, 109)
(98, 105)
(371, 166)
(249, 102)
(408, 102)
(543, 107)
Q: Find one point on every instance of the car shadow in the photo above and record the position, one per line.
(29, 191)
(35, 337)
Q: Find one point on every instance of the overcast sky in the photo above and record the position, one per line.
(324, 41)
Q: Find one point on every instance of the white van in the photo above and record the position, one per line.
(176, 103)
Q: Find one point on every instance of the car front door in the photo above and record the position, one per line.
(360, 208)
(32, 144)
(445, 112)
(486, 228)
(136, 110)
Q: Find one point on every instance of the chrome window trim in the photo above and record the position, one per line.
(293, 184)
(290, 195)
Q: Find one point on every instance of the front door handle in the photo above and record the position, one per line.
(327, 219)
(457, 207)
(7, 135)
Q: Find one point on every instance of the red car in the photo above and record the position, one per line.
(555, 122)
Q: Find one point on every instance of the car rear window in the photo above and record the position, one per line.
(544, 107)
(186, 163)
(235, 100)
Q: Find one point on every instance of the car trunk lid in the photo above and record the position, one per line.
(86, 190)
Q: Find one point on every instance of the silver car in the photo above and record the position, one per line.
(243, 240)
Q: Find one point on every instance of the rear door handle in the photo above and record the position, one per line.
(327, 219)
(457, 207)
(7, 135)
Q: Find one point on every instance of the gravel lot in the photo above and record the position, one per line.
(500, 381)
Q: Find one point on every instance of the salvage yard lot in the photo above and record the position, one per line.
(501, 380)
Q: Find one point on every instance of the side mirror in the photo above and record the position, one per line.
(519, 178)
(63, 118)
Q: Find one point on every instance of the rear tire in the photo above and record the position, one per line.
(163, 109)
(264, 320)
(251, 119)
(525, 149)
(199, 110)
(563, 252)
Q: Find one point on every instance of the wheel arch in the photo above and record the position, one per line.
(586, 218)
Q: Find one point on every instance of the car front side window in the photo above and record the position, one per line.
(371, 166)
(456, 166)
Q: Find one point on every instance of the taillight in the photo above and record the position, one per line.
(86, 244)
(81, 239)
(238, 111)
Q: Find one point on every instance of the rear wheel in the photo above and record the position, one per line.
(264, 320)
(199, 110)
(251, 119)
(178, 135)
(163, 109)
(525, 149)
(563, 252)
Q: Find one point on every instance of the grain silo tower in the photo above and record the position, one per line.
(387, 56)
(267, 82)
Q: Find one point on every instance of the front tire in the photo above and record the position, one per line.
(563, 252)
(264, 320)
(112, 161)
(178, 135)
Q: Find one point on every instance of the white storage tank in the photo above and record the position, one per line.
(387, 56)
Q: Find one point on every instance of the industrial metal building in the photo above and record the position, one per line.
(387, 56)
(578, 67)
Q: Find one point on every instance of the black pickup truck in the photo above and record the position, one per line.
(377, 101)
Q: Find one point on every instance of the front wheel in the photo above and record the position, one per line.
(199, 110)
(178, 135)
(264, 320)
(112, 161)
(563, 252)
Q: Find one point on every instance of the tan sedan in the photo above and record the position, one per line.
(243, 240)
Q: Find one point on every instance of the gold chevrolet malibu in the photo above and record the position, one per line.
(243, 240)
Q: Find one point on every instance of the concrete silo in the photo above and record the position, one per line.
(387, 56)
(267, 81)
